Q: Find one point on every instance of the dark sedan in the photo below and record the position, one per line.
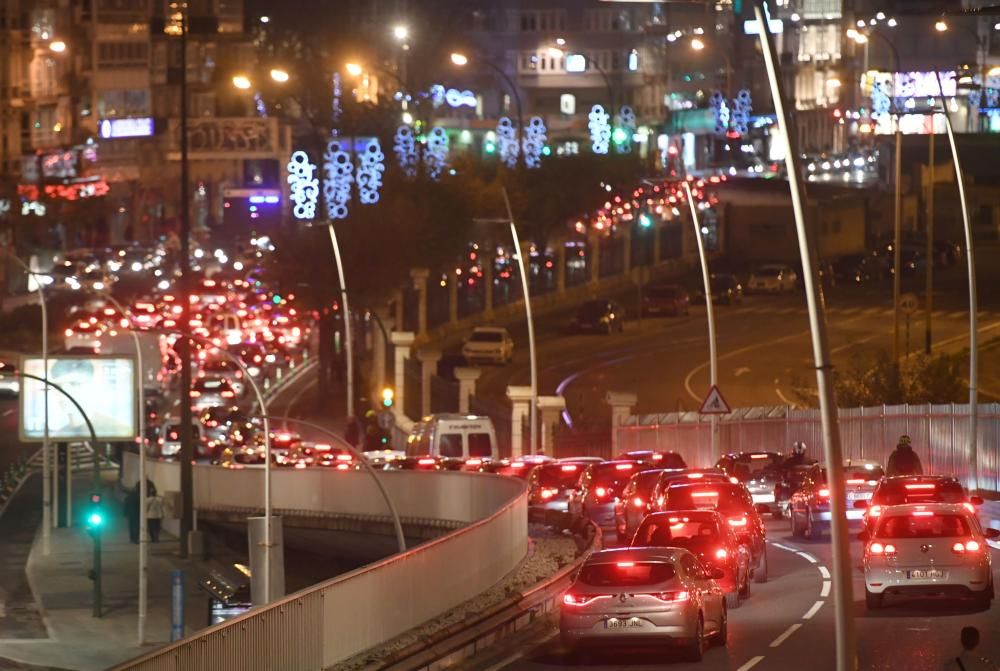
(599, 316)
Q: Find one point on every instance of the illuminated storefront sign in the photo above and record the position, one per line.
(74, 191)
(121, 128)
(904, 85)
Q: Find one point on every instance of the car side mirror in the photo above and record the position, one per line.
(861, 505)
(719, 574)
(976, 500)
(991, 534)
(864, 536)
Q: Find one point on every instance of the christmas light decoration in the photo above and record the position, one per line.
(742, 107)
(600, 129)
(507, 141)
(406, 150)
(368, 174)
(534, 142)
(304, 186)
(720, 111)
(436, 156)
(338, 178)
(626, 123)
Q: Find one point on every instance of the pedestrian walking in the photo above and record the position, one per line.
(968, 659)
(154, 515)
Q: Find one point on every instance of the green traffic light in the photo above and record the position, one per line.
(619, 136)
(276, 300)
(95, 520)
(645, 220)
(490, 148)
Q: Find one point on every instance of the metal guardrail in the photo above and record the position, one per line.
(940, 435)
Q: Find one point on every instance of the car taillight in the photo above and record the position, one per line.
(879, 549)
(857, 481)
(425, 462)
(638, 502)
(672, 597)
(340, 457)
(738, 521)
(195, 394)
(623, 467)
(569, 468)
(969, 546)
(582, 600)
(474, 462)
(228, 394)
(343, 467)
(548, 493)
(721, 553)
(922, 486)
(601, 492)
(874, 511)
(824, 493)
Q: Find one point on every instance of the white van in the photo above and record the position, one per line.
(453, 436)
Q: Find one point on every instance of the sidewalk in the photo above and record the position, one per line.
(53, 626)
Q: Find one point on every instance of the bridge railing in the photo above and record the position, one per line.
(327, 623)
(940, 435)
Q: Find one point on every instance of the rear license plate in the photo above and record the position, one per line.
(858, 496)
(925, 574)
(622, 623)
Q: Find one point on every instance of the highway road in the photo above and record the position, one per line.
(788, 623)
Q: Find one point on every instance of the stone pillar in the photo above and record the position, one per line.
(520, 398)
(379, 363)
(551, 408)
(419, 277)
(561, 267)
(466, 377)
(487, 263)
(397, 298)
(428, 367)
(622, 403)
(627, 249)
(452, 297)
(595, 258)
(402, 341)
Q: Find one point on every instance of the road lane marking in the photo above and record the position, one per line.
(824, 591)
(784, 636)
(784, 399)
(786, 548)
(752, 663)
(824, 571)
(808, 557)
(815, 608)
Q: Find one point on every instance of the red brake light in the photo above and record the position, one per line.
(625, 564)
(568, 468)
(548, 493)
(824, 493)
(969, 546)
(427, 461)
(923, 513)
(474, 462)
(343, 467)
(721, 553)
(601, 492)
(657, 457)
(340, 457)
(758, 456)
(701, 495)
(921, 486)
(879, 549)
(228, 394)
(574, 600)
(696, 476)
(738, 521)
(972, 546)
(195, 394)
(856, 481)
(638, 502)
(672, 597)
(624, 467)
(874, 511)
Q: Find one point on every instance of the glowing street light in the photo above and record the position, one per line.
(353, 69)
(279, 75)
(941, 26)
(401, 32)
(265, 19)
(57, 46)
(697, 44)
(459, 59)
(242, 82)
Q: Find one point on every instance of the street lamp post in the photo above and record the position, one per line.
(46, 456)
(462, 60)
(846, 650)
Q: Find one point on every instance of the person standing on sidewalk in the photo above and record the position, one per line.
(154, 514)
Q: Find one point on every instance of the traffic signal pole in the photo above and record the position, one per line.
(843, 595)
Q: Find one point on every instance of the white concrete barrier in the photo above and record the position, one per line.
(334, 620)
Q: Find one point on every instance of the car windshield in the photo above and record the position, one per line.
(559, 475)
(756, 466)
(689, 531)
(626, 574)
(592, 310)
(721, 497)
(486, 336)
(923, 524)
(898, 493)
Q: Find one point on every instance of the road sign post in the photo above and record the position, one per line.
(908, 304)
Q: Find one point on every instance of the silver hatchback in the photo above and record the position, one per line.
(637, 596)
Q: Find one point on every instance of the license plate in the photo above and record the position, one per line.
(925, 574)
(858, 496)
(622, 623)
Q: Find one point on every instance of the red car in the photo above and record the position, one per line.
(634, 503)
(689, 476)
(594, 496)
(733, 502)
(706, 534)
(903, 489)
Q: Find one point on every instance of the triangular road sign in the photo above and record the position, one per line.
(714, 404)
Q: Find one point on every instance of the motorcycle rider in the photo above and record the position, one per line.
(903, 460)
(798, 456)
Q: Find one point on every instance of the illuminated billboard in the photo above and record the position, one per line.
(104, 386)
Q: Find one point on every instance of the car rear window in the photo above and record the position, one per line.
(756, 466)
(612, 475)
(486, 336)
(899, 493)
(670, 460)
(645, 481)
(626, 574)
(450, 445)
(874, 473)
(917, 525)
(559, 475)
(682, 531)
(709, 497)
(480, 445)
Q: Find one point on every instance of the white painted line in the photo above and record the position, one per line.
(824, 571)
(815, 608)
(808, 557)
(786, 548)
(505, 663)
(752, 663)
(784, 636)
(824, 591)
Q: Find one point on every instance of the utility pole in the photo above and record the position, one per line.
(183, 344)
(897, 243)
(929, 298)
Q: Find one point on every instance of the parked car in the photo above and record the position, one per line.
(860, 269)
(599, 316)
(488, 344)
(646, 596)
(665, 299)
(772, 278)
(726, 290)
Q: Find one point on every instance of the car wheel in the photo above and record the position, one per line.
(873, 601)
(760, 574)
(722, 635)
(733, 599)
(796, 530)
(696, 648)
(811, 532)
(745, 587)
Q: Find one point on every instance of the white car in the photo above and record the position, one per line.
(772, 279)
(933, 549)
(488, 344)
